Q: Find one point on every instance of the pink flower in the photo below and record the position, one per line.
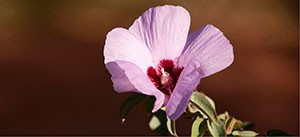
(157, 57)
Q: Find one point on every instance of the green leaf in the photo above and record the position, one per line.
(171, 127)
(248, 125)
(191, 109)
(223, 116)
(161, 117)
(245, 133)
(154, 123)
(200, 101)
(211, 102)
(276, 132)
(229, 124)
(238, 125)
(216, 129)
(132, 100)
(199, 127)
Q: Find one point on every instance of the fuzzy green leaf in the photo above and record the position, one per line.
(154, 123)
(216, 129)
(245, 133)
(171, 127)
(223, 116)
(199, 127)
(211, 102)
(201, 102)
(191, 109)
(238, 125)
(248, 125)
(158, 124)
(229, 124)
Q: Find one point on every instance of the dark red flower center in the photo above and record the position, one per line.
(165, 76)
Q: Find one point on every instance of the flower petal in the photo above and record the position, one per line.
(164, 30)
(187, 83)
(128, 77)
(120, 44)
(210, 48)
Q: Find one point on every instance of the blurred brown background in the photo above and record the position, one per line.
(53, 80)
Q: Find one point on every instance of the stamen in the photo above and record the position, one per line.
(164, 73)
(167, 80)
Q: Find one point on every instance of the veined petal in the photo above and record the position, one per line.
(210, 48)
(128, 77)
(121, 44)
(164, 30)
(186, 84)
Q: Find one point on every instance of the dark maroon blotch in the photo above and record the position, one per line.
(156, 74)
